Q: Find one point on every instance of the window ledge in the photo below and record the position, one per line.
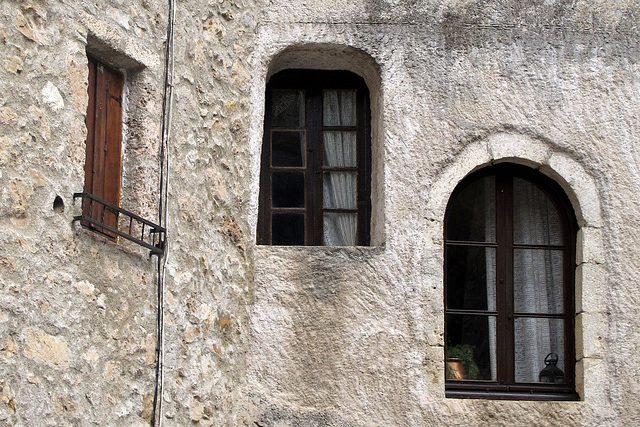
(512, 395)
(275, 249)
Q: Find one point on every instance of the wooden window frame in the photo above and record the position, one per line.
(103, 165)
(313, 82)
(505, 386)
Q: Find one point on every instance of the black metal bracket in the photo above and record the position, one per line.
(139, 230)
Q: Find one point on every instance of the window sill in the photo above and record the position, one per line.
(275, 249)
(476, 392)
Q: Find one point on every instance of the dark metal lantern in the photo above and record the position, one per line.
(551, 373)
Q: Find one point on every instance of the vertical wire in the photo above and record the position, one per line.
(156, 419)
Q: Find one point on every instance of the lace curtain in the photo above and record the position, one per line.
(490, 255)
(339, 187)
(538, 277)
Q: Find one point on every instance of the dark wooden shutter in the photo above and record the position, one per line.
(103, 168)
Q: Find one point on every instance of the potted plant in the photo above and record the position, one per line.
(460, 363)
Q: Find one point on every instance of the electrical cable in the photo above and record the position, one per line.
(169, 74)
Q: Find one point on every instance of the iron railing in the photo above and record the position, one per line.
(120, 222)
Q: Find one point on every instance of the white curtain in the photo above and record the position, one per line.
(339, 188)
(538, 280)
(339, 108)
(490, 254)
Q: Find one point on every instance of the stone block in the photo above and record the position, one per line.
(45, 348)
(590, 335)
(470, 158)
(594, 381)
(584, 193)
(589, 246)
(51, 97)
(591, 288)
(510, 146)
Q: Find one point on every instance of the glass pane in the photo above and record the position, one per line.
(340, 229)
(287, 229)
(471, 278)
(288, 189)
(339, 149)
(287, 148)
(470, 342)
(534, 339)
(339, 108)
(287, 108)
(535, 219)
(472, 213)
(537, 278)
(339, 190)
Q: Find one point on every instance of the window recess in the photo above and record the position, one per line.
(101, 212)
(316, 160)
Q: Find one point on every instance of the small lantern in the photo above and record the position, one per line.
(551, 373)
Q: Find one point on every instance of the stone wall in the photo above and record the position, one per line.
(77, 312)
(274, 336)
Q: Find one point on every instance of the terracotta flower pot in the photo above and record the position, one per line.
(455, 369)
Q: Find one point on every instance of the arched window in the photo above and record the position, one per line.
(315, 180)
(509, 287)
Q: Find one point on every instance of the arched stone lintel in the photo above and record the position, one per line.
(328, 56)
(521, 149)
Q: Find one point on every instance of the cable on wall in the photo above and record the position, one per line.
(163, 211)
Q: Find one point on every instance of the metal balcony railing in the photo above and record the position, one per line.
(112, 221)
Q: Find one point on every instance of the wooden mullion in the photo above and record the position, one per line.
(509, 334)
(340, 210)
(341, 128)
(314, 223)
(504, 350)
(471, 244)
(287, 210)
(363, 154)
(288, 169)
(340, 168)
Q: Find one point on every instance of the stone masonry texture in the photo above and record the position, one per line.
(304, 336)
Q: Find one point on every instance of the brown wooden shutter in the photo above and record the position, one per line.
(103, 168)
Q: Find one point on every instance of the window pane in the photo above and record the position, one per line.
(534, 339)
(471, 278)
(339, 190)
(340, 229)
(288, 190)
(473, 339)
(287, 148)
(287, 108)
(535, 218)
(287, 229)
(339, 149)
(472, 213)
(537, 278)
(339, 108)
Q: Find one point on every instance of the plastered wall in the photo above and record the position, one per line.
(266, 336)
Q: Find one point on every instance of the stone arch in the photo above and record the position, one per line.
(581, 189)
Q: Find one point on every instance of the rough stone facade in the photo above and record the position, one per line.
(314, 336)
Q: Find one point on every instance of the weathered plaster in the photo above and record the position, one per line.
(277, 336)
